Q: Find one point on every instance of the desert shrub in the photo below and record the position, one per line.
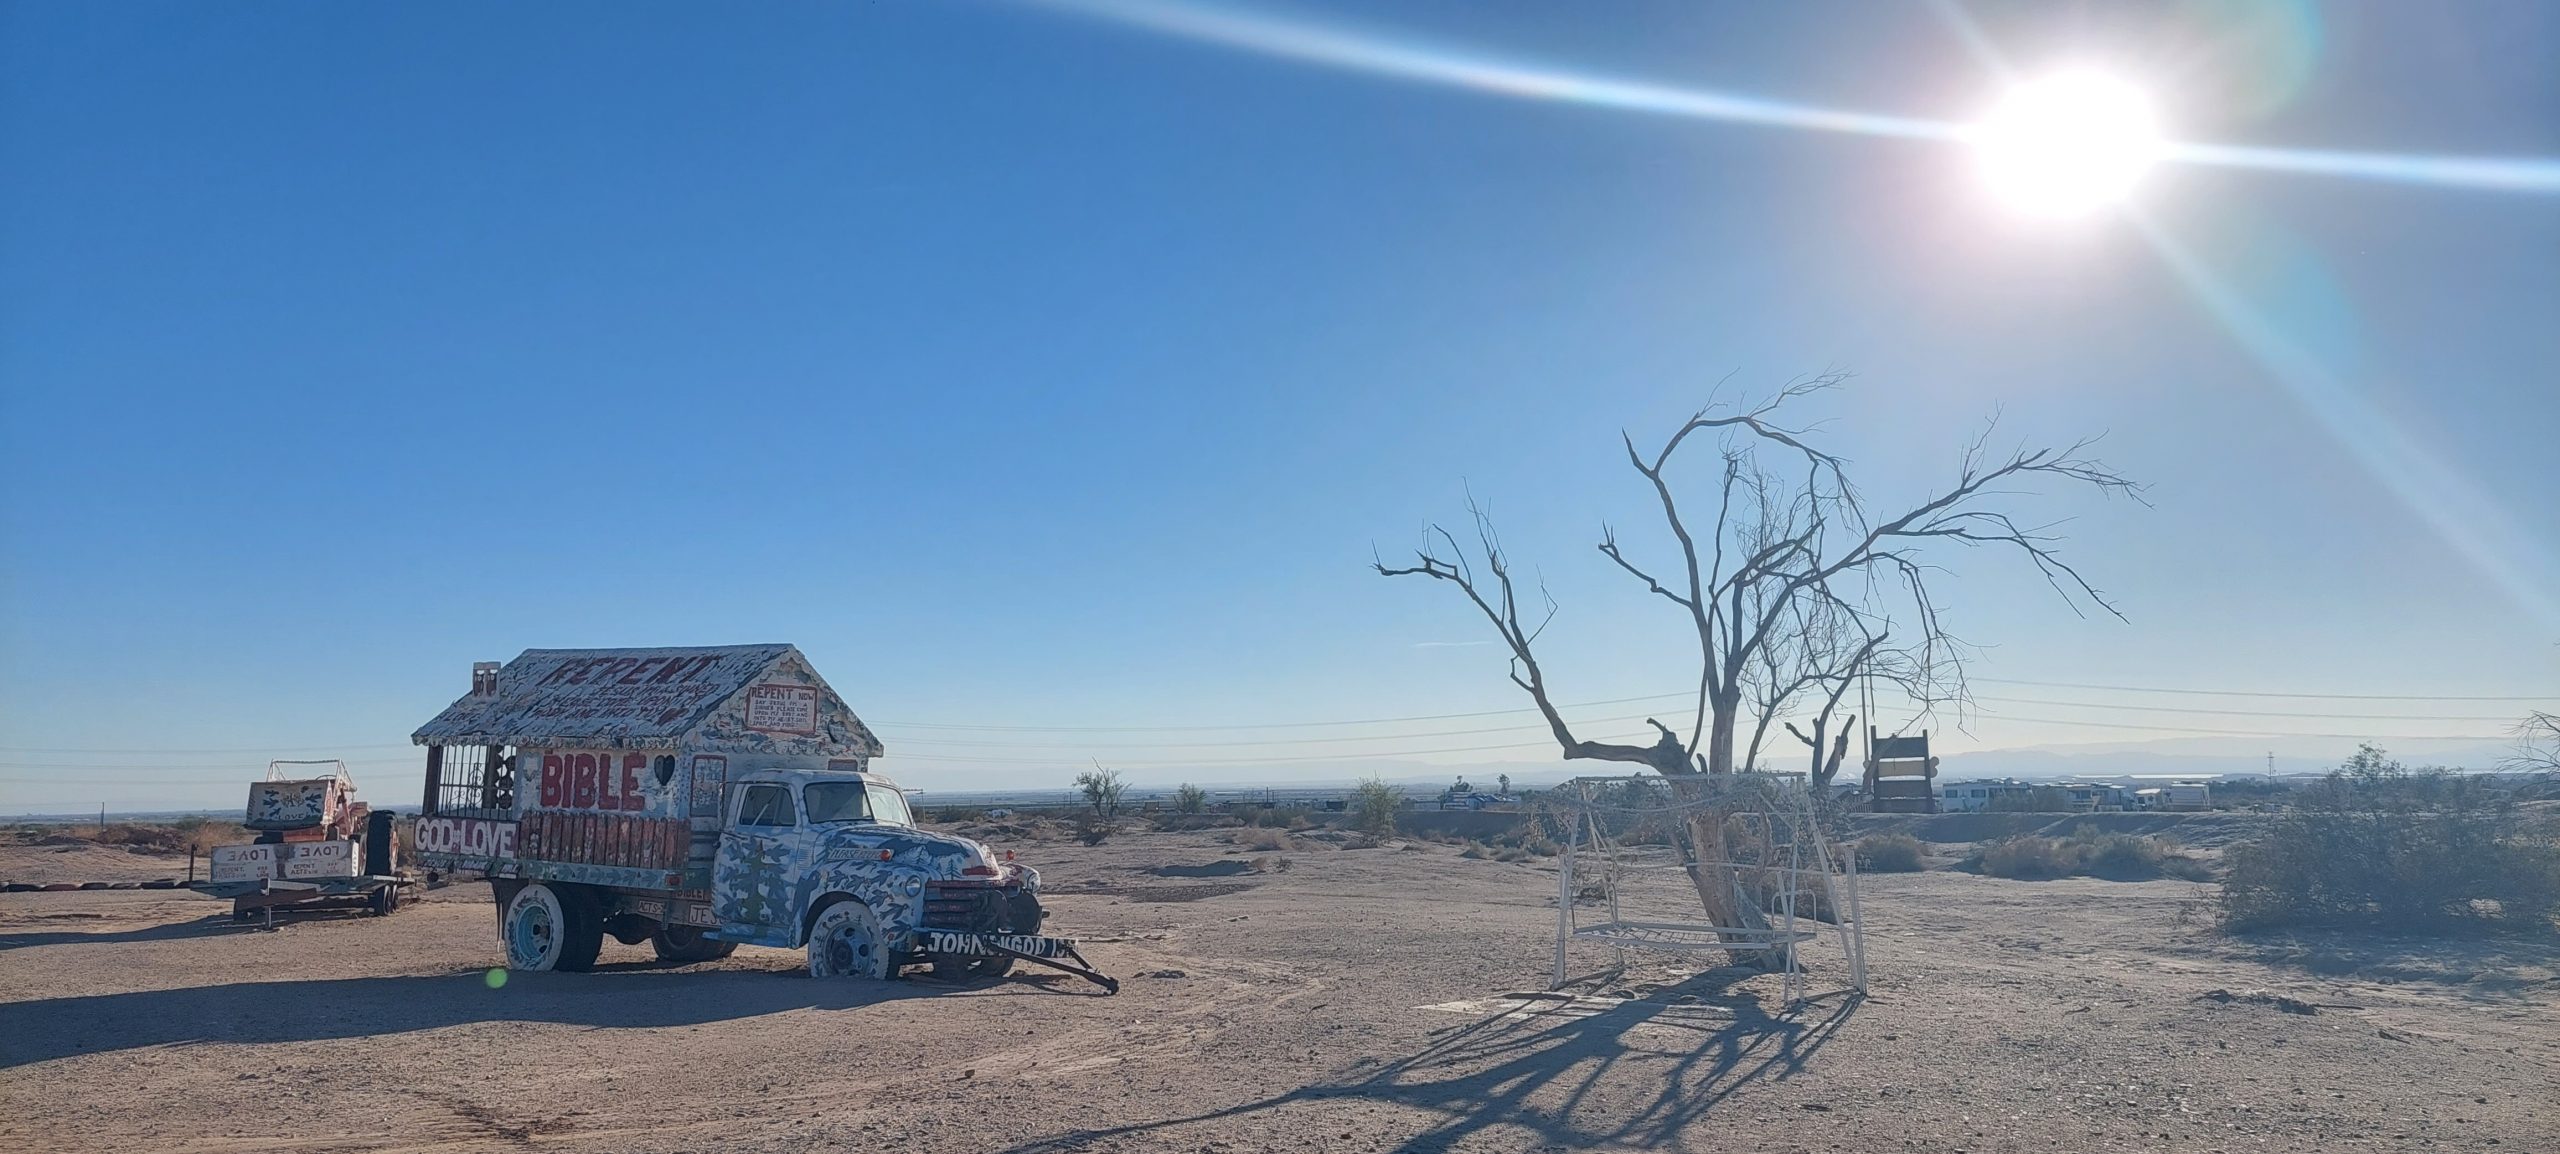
(1476, 849)
(1278, 817)
(2120, 857)
(952, 813)
(1539, 843)
(1102, 790)
(1189, 798)
(1891, 853)
(2377, 845)
(1373, 807)
(2026, 858)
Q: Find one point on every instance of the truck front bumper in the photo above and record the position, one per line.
(1056, 953)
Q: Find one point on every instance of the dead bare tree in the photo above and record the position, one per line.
(1793, 590)
(1783, 551)
(2537, 744)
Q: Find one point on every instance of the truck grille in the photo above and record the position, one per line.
(979, 907)
(962, 907)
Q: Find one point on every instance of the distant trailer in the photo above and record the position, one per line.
(261, 899)
(318, 850)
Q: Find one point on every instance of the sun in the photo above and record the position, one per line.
(2068, 144)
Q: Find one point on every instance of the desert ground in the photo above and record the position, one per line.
(1390, 998)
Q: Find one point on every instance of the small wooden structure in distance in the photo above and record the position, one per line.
(1900, 774)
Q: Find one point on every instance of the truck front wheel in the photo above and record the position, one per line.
(845, 942)
(551, 928)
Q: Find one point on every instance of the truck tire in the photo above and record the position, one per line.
(845, 941)
(380, 843)
(548, 927)
(684, 945)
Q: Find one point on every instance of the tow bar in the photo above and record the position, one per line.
(1080, 967)
(1046, 951)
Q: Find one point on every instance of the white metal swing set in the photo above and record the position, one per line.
(1797, 858)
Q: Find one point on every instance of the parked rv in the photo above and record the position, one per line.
(702, 798)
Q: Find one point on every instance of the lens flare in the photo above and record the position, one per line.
(2068, 144)
(1379, 54)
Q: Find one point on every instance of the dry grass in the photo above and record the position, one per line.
(1261, 839)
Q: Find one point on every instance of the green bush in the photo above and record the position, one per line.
(1891, 853)
(1189, 798)
(2376, 845)
(1373, 807)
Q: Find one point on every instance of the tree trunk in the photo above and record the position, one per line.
(1720, 733)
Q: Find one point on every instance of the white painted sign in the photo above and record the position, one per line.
(710, 781)
(320, 859)
(243, 863)
(469, 837)
(778, 708)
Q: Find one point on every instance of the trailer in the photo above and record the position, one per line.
(318, 850)
(702, 798)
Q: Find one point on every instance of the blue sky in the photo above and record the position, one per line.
(1028, 368)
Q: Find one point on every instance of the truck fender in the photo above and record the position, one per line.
(818, 905)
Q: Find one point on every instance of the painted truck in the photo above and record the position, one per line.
(702, 798)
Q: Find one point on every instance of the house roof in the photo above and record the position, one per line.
(632, 698)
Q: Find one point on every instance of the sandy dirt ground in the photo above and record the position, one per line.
(1360, 999)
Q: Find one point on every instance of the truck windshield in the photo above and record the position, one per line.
(890, 806)
(835, 801)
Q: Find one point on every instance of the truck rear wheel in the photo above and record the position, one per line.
(845, 942)
(550, 927)
(683, 945)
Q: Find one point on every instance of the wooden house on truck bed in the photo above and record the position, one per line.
(610, 766)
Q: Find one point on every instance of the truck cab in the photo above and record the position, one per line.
(832, 860)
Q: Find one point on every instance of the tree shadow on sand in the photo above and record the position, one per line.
(206, 926)
(644, 995)
(2478, 967)
(1559, 1052)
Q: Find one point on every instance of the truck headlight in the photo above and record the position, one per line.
(911, 885)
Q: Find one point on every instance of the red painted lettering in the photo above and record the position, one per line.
(553, 787)
(582, 781)
(632, 764)
(634, 677)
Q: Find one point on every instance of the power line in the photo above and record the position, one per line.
(1691, 694)
(2245, 712)
(2547, 697)
(2245, 732)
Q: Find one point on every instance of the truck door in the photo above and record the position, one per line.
(750, 888)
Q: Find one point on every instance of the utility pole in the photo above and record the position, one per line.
(102, 815)
(2271, 764)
